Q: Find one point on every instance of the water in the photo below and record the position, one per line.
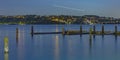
(56, 46)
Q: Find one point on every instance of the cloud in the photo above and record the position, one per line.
(69, 8)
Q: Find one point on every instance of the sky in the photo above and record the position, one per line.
(109, 8)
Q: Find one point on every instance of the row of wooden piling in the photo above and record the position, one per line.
(81, 31)
(92, 31)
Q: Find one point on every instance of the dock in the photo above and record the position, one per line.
(91, 31)
(47, 33)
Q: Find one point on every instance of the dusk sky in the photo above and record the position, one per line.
(61, 7)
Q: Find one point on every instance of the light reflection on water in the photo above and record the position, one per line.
(57, 53)
(20, 44)
(56, 46)
(6, 56)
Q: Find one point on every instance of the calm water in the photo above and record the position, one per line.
(56, 46)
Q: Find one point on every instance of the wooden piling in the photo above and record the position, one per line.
(81, 32)
(80, 29)
(94, 29)
(90, 37)
(116, 30)
(6, 48)
(63, 31)
(17, 34)
(32, 30)
(102, 29)
(90, 31)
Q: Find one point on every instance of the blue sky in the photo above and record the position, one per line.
(58, 7)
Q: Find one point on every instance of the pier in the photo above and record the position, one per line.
(91, 31)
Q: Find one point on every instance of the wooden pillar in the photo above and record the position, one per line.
(63, 31)
(102, 29)
(6, 48)
(32, 30)
(116, 30)
(90, 37)
(90, 31)
(17, 34)
(94, 29)
(81, 29)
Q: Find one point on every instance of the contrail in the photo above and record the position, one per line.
(59, 6)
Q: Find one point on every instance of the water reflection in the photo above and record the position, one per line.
(17, 35)
(69, 48)
(21, 41)
(81, 40)
(56, 47)
(56, 51)
(94, 37)
(20, 36)
(6, 48)
(6, 56)
(90, 44)
(116, 39)
(102, 41)
(102, 37)
(116, 43)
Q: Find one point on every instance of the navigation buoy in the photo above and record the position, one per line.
(6, 49)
